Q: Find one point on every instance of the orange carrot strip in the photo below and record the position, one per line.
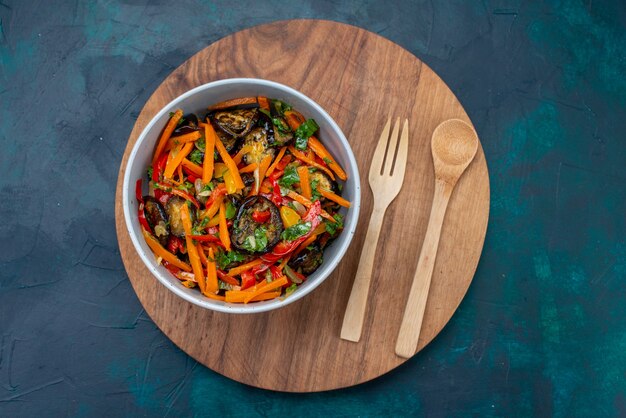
(249, 168)
(234, 296)
(266, 288)
(244, 150)
(215, 221)
(202, 255)
(215, 206)
(209, 150)
(223, 227)
(158, 250)
(192, 251)
(306, 202)
(177, 155)
(265, 163)
(305, 185)
(216, 297)
(233, 102)
(240, 269)
(302, 157)
(229, 163)
(334, 197)
(211, 274)
(294, 119)
(263, 102)
(180, 174)
(181, 139)
(283, 263)
(165, 136)
(279, 157)
(321, 151)
(194, 168)
(310, 240)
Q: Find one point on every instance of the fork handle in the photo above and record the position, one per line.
(355, 311)
(406, 344)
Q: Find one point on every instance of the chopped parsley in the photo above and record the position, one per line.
(291, 289)
(315, 194)
(332, 227)
(230, 210)
(196, 156)
(150, 172)
(186, 187)
(256, 242)
(304, 132)
(201, 144)
(225, 258)
(280, 106)
(289, 177)
(327, 160)
(296, 231)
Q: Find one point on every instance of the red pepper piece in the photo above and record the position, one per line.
(248, 279)
(175, 244)
(260, 216)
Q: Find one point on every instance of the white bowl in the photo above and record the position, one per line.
(196, 101)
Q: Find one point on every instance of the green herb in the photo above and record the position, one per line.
(304, 132)
(332, 227)
(223, 285)
(206, 189)
(296, 231)
(196, 156)
(150, 171)
(291, 289)
(280, 125)
(201, 144)
(327, 160)
(230, 210)
(225, 258)
(315, 194)
(186, 187)
(256, 242)
(340, 186)
(280, 106)
(172, 114)
(289, 177)
(265, 112)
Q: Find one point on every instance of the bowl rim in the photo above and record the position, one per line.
(220, 306)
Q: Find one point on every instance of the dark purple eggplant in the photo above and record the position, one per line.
(172, 208)
(308, 260)
(157, 218)
(254, 237)
(236, 122)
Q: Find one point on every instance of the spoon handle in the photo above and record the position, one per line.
(406, 344)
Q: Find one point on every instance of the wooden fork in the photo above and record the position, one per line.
(385, 178)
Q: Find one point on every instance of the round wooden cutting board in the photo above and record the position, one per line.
(361, 79)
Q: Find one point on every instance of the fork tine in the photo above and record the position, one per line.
(391, 149)
(379, 152)
(399, 165)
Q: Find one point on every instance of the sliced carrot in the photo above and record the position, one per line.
(192, 251)
(244, 267)
(215, 206)
(284, 262)
(294, 119)
(249, 168)
(229, 163)
(265, 163)
(181, 139)
(211, 274)
(310, 240)
(202, 255)
(235, 296)
(180, 174)
(266, 288)
(303, 157)
(321, 151)
(233, 102)
(306, 202)
(158, 250)
(334, 197)
(194, 168)
(224, 227)
(226, 278)
(305, 184)
(209, 150)
(177, 155)
(216, 297)
(263, 102)
(167, 133)
(215, 221)
(279, 157)
(244, 150)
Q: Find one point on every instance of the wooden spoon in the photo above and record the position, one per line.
(454, 144)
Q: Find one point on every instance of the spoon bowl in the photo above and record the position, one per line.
(454, 144)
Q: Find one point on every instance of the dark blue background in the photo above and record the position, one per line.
(542, 329)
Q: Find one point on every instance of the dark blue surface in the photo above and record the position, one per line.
(542, 330)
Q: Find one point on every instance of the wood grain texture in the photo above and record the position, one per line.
(360, 79)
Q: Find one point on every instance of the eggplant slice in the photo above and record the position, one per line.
(308, 260)
(236, 122)
(157, 218)
(246, 231)
(172, 208)
(259, 143)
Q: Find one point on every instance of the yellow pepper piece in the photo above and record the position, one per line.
(290, 217)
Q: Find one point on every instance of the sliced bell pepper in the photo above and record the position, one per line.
(261, 216)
